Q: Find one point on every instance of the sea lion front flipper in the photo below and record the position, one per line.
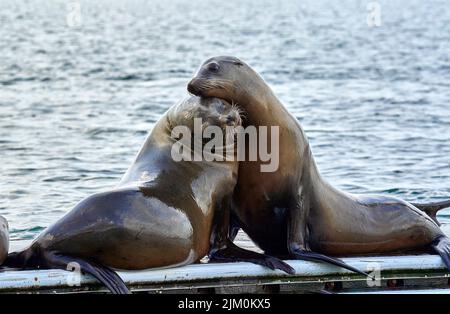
(316, 257)
(104, 274)
(222, 249)
(235, 226)
(298, 239)
(233, 253)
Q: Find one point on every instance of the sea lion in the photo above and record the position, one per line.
(4, 239)
(159, 215)
(294, 211)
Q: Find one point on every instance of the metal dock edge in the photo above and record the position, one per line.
(394, 274)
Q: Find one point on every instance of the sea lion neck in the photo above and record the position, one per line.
(323, 194)
(261, 105)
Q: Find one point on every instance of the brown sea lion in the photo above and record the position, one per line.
(4, 239)
(161, 214)
(294, 211)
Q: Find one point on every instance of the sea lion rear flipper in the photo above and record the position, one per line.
(431, 209)
(233, 253)
(104, 274)
(441, 245)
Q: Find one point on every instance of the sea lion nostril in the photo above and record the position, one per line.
(230, 120)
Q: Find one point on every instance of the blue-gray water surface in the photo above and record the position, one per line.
(77, 97)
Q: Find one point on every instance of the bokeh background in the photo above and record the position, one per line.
(79, 92)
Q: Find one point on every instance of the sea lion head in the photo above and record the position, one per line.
(223, 77)
(209, 111)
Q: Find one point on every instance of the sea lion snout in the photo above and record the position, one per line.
(194, 87)
(233, 118)
(230, 120)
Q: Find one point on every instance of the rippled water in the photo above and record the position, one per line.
(77, 102)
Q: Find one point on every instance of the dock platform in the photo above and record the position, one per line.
(393, 274)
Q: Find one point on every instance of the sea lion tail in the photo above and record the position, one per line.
(34, 258)
(441, 245)
(431, 209)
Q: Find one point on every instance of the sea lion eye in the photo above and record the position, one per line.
(213, 67)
